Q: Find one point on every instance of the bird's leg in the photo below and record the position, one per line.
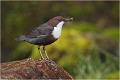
(45, 52)
(40, 52)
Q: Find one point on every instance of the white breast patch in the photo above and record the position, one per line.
(57, 30)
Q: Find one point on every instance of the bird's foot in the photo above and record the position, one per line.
(42, 58)
(45, 59)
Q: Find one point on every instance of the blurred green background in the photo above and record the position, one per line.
(88, 47)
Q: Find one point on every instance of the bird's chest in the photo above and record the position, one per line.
(52, 37)
(56, 32)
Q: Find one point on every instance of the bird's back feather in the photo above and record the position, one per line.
(44, 29)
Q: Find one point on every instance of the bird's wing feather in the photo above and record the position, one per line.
(41, 30)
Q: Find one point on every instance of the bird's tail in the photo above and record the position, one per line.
(20, 38)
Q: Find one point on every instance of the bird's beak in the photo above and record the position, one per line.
(69, 20)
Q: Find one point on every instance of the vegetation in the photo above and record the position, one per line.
(87, 48)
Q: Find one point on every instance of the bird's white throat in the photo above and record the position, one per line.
(57, 30)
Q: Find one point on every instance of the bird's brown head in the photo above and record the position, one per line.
(56, 20)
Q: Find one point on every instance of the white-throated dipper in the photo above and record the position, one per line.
(46, 33)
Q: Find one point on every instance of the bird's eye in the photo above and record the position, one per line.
(59, 19)
(63, 19)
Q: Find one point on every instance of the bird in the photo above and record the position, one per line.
(45, 34)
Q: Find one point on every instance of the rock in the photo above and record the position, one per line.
(33, 69)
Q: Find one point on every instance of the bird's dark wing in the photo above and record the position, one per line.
(44, 29)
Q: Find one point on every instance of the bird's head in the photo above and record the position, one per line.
(58, 19)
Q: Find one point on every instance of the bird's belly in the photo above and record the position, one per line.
(49, 39)
(45, 40)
